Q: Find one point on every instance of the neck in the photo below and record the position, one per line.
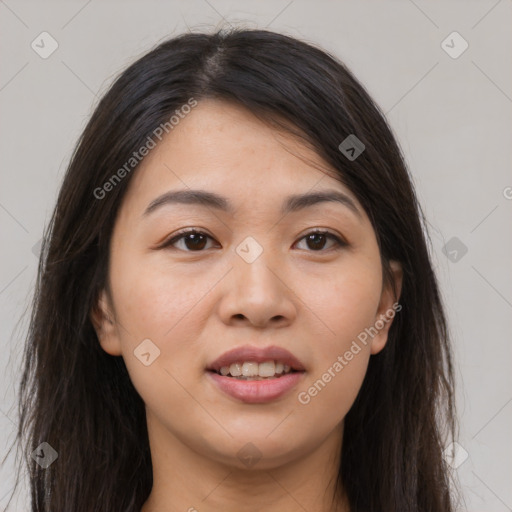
(186, 479)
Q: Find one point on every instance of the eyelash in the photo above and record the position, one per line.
(181, 234)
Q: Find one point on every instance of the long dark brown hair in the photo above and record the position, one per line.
(80, 400)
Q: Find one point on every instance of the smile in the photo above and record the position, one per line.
(251, 370)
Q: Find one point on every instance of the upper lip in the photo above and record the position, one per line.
(258, 355)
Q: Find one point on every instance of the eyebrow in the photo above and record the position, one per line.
(291, 204)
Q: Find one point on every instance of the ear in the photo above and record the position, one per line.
(102, 319)
(388, 307)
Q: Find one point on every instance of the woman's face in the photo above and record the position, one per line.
(253, 280)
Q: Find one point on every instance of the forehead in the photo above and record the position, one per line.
(224, 148)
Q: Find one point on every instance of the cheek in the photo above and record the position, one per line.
(163, 307)
(330, 393)
(154, 302)
(346, 303)
(346, 307)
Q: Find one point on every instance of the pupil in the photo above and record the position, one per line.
(195, 238)
(312, 237)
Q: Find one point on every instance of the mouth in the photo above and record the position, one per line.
(252, 370)
(256, 375)
(255, 363)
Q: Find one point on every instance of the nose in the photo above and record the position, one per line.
(257, 294)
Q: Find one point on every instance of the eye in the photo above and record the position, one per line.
(316, 240)
(193, 240)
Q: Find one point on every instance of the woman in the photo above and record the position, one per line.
(236, 307)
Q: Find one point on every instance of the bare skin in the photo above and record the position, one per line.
(195, 301)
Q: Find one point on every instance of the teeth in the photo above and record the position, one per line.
(267, 369)
(254, 371)
(250, 369)
(235, 369)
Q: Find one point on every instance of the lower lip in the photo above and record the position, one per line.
(256, 391)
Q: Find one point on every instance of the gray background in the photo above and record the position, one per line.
(451, 116)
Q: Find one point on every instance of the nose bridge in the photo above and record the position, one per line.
(257, 290)
(256, 267)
